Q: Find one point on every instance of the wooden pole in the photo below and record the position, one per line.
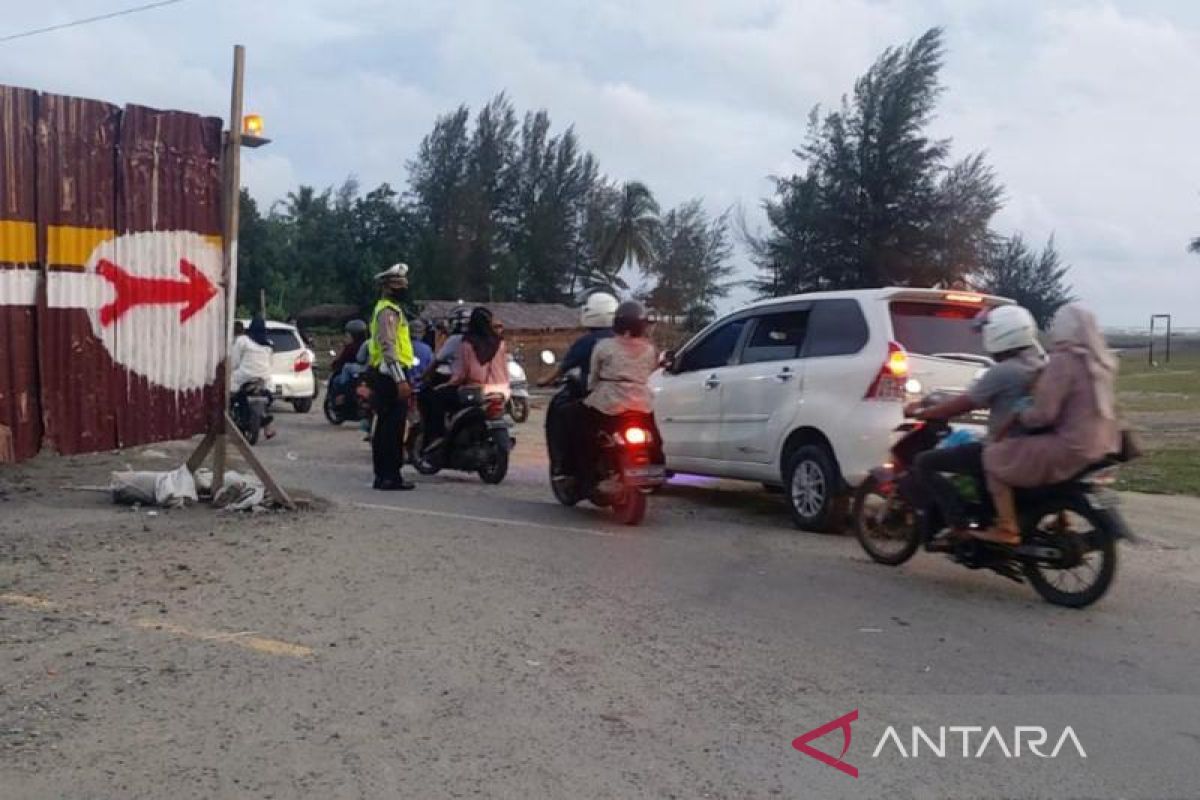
(224, 430)
(232, 198)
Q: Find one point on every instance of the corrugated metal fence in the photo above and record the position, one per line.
(111, 318)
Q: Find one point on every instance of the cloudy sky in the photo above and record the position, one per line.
(1088, 110)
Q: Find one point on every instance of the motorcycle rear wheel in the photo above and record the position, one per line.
(251, 426)
(884, 524)
(494, 469)
(630, 506)
(519, 409)
(1073, 585)
(332, 413)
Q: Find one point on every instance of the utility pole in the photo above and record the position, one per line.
(223, 428)
(232, 161)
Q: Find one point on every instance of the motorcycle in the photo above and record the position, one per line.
(518, 403)
(249, 406)
(627, 467)
(478, 439)
(345, 403)
(1069, 531)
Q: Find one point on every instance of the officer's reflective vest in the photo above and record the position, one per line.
(404, 348)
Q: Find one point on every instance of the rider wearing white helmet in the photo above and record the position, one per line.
(1010, 336)
(597, 316)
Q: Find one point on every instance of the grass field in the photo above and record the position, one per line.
(1163, 403)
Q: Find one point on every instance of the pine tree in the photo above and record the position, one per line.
(879, 202)
(1036, 281)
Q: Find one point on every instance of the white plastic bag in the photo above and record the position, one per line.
(167, 489)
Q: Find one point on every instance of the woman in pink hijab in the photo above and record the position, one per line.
(1074, 403)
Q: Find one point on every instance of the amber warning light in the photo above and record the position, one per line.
(958, 297)
(252, 131)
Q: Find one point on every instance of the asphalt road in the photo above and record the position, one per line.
(474, 641)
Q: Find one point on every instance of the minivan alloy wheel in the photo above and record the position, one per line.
(808, 488)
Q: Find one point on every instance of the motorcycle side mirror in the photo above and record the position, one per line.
(548, 358)
(666, 360)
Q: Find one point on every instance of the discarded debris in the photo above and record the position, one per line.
(240, 493)
(172, 489)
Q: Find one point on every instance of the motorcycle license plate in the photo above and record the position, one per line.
(648, 474)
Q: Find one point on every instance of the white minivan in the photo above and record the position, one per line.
(805, 391)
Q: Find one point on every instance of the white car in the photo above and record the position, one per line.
(292, 378)
(804, 392)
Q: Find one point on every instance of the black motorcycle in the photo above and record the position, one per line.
(478, 439)
(347, 402)
(249, 407)
(1069, 531)
(628, 461)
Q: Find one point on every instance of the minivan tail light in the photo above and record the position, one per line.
(302, 363)
(890, 382)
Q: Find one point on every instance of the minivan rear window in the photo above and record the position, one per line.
(283, 340)
(934, 328)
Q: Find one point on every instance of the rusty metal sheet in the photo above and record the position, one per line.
(76, 185)
(170, 184)
(20, 412)
(110, 227)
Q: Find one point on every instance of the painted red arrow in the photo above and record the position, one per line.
(134, 290)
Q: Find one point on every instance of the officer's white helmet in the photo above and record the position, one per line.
(598, 310)
(1008, 328)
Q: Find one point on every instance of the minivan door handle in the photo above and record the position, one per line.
(712, 381)
(784, 375)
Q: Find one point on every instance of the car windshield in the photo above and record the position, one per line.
(936, 328)
(284, 340)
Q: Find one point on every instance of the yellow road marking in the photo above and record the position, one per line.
(29, 601)
(66, 245)
(245, 639)
(248, 640)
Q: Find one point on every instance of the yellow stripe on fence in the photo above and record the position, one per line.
(69, 246)
(66, 245)
(18, 242)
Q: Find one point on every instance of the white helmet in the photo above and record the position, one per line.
(1008, 328)
(598, 310)
(397, 272)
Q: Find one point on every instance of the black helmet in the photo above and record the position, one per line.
(630, 318)
(459, 318)
(356, 328)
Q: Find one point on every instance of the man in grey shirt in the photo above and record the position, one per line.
(1010, 335)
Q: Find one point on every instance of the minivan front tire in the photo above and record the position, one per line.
(813, 488)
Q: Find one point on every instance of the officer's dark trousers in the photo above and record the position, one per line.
(390, 415)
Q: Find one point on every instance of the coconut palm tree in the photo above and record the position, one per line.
(631, 234)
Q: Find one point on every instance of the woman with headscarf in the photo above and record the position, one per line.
(250, 360)
(482, 361)
(1074, 407)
